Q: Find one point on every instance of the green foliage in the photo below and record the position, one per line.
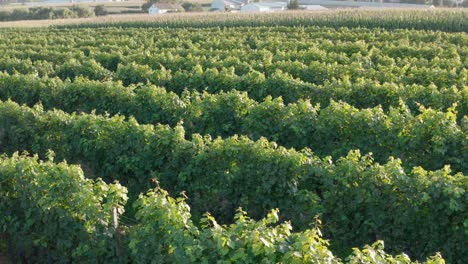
(376, 254)
(82, 11)
(40, 13)
(430, 139)
(191, 7)
(237, 113)
(360, 200)
(146, 6)
(293, 5)
(166, 234)
(134, 73)
(100, 10)
(51, 213)
(376, 195)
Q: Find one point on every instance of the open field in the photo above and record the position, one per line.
(110, 5)
(294, 137)
(113, 6)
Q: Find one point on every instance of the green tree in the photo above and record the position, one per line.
(293, 5)
(191, 7)
(100, 10)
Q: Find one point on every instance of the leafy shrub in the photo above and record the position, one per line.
(82, 11)
(89, 68)
(293, 5)
(192, 7)
(20, 14)
(133, 73)
(4, 15)
(41, 13)
(360, 200)
(166, 234)
(100, 10)
(51, 212)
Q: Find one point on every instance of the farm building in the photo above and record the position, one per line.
(227, 5)
(313, 7)
(361, 4)
(264, 7)
(164, 8)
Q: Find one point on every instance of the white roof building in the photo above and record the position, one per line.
(264, 7)
(227, 5)
(361, 3)
(313, 7)
(164, 8)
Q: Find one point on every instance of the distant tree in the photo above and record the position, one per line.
(82, 11)
(4, 16)
(41, 13)
(450, 3)
(293, 4)
(100, 10)
(191, 7)
(64, 13)
(146, 6)
(20, 14)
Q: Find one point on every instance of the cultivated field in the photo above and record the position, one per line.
(439, 19)
(296, 137)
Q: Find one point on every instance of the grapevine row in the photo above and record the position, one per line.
(163, 231)
(359, 199)
(426, 137)
(263, 65)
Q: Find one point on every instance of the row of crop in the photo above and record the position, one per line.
(87, 94)
(291, 80)
(310, 64)
(304, 56)
(246, 45)
(419, 212)
(426, 137)
(301, 36)
(222, 78)
(443, 20)
(51, 213)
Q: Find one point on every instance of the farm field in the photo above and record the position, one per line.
(287, 138)
(113, 10)
(122, 4)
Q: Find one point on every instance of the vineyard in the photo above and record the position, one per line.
(299, 139)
